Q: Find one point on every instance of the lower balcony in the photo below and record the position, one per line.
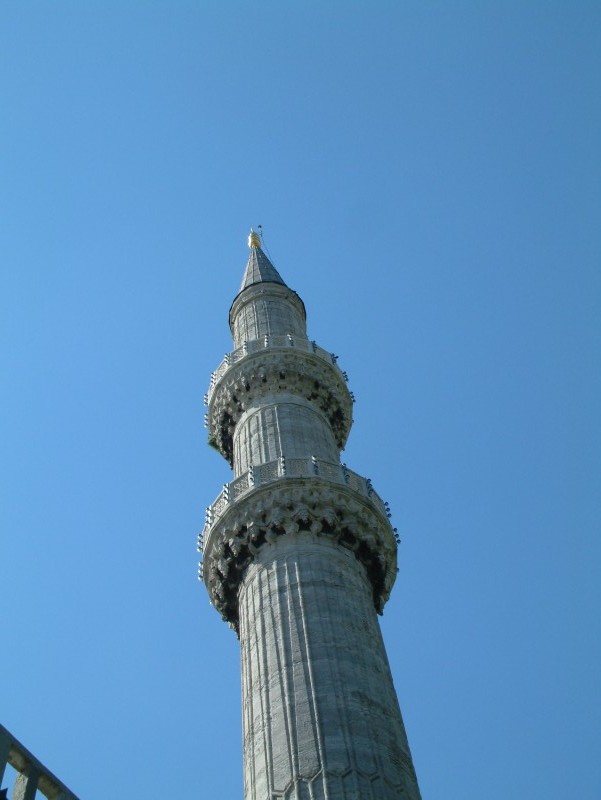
(282, 468)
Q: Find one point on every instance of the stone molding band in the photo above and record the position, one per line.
(272, 371)
(284, 509)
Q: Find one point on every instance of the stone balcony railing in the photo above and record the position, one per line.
(289, 468)
(33, 778)
(268, 342)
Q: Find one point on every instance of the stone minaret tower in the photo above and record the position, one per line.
(299, 555)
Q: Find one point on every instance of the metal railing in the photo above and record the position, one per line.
(271, 471)
(267, 342)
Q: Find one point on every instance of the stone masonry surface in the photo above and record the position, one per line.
(298, 557)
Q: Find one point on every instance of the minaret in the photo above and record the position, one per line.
(299, 555)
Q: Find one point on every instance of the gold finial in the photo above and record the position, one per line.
(254, 240)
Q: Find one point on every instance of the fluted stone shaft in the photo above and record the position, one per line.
(321, 718)
(282, 425)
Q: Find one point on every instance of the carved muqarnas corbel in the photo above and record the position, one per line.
(294, 506)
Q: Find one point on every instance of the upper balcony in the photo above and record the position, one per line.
(271, 342)
(276, 365)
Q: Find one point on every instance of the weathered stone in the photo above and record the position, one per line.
(299, 555)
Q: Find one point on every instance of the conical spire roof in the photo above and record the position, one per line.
(258, 267)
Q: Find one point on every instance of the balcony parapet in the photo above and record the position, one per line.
(271, 471)
(287, 341)
(285, 497)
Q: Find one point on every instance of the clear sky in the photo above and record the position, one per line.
(427, 175)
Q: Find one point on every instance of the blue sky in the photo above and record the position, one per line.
(428, 179)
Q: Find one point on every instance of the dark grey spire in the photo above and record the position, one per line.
(258, 268)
